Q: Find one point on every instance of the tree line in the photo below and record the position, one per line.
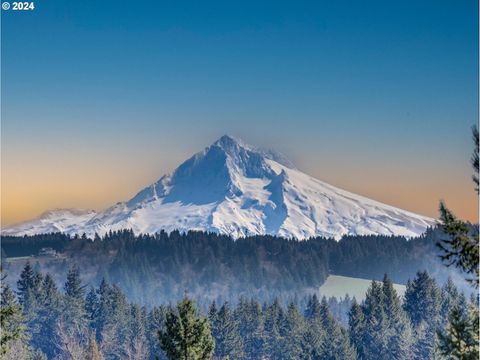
(152, 269)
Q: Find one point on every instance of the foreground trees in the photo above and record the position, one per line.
(380, 328)
(11, 320)
(70, 322)
(187, 335)
(461, 249)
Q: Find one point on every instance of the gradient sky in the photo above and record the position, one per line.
(100, 98)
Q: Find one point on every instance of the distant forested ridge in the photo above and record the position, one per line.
(157, 268)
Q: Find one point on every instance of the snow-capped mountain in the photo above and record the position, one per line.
(236, 189)
(56, 220)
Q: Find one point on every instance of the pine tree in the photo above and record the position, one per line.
(422, 299)
(422, 304)
(156, 323)
(380, 328)
(47, 315)
(72, 326)
(33, 292)
(73, 286)
(26, 285)
(313, 307)
(357, 324)
(113, 316)
(373, 308)
(228, 343)
(474, 159)
(461, 338)
(250, 325)
(274, 317)
(104, 308)
(315, 334)
(136, 345)
(398, 331)
(338, 346)
(187, 335)
(461, 248)
(293, 334)
(92, 307)
(74, 301)
(13, 328)
(11, 321)
(451, 298)
(7, 295)
(213, 316)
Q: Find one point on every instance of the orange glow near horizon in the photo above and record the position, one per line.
(33, 188)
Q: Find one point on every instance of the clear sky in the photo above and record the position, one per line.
(100, 98)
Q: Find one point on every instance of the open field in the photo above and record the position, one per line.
(19, 258)
(339, 286)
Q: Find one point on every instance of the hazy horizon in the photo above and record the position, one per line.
(141, 186)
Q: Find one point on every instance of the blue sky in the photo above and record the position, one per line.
(373, 96)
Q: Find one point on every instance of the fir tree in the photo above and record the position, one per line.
(228, 343)
(72, 326)
(104, 307)
(315, 334)
(11, 321)
(373, 308)
(156, 323)
(73, 286)
(356, 322)
(380, 328)
(213, 316)
(422, 299)
(26, 285)
(114, 314)
(451, 298)
(47, 315)
(293, 334)
(250, 325)
(313, 307)
(398, 331)
(338, 345)
(74, 301)
(274, 317)
(422, 304)
(187, 335)
(474, 159)
(92, 306)
(461, 248)
(136, 346)
(461, 338)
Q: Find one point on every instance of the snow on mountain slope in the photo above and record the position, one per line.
(56, 220)
(233, 188)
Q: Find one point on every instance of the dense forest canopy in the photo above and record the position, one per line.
(72, 321)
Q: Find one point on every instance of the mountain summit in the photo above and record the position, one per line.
(236, 189)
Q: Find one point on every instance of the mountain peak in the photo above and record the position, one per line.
(227, 142)
(233, 145)
(233, 188)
